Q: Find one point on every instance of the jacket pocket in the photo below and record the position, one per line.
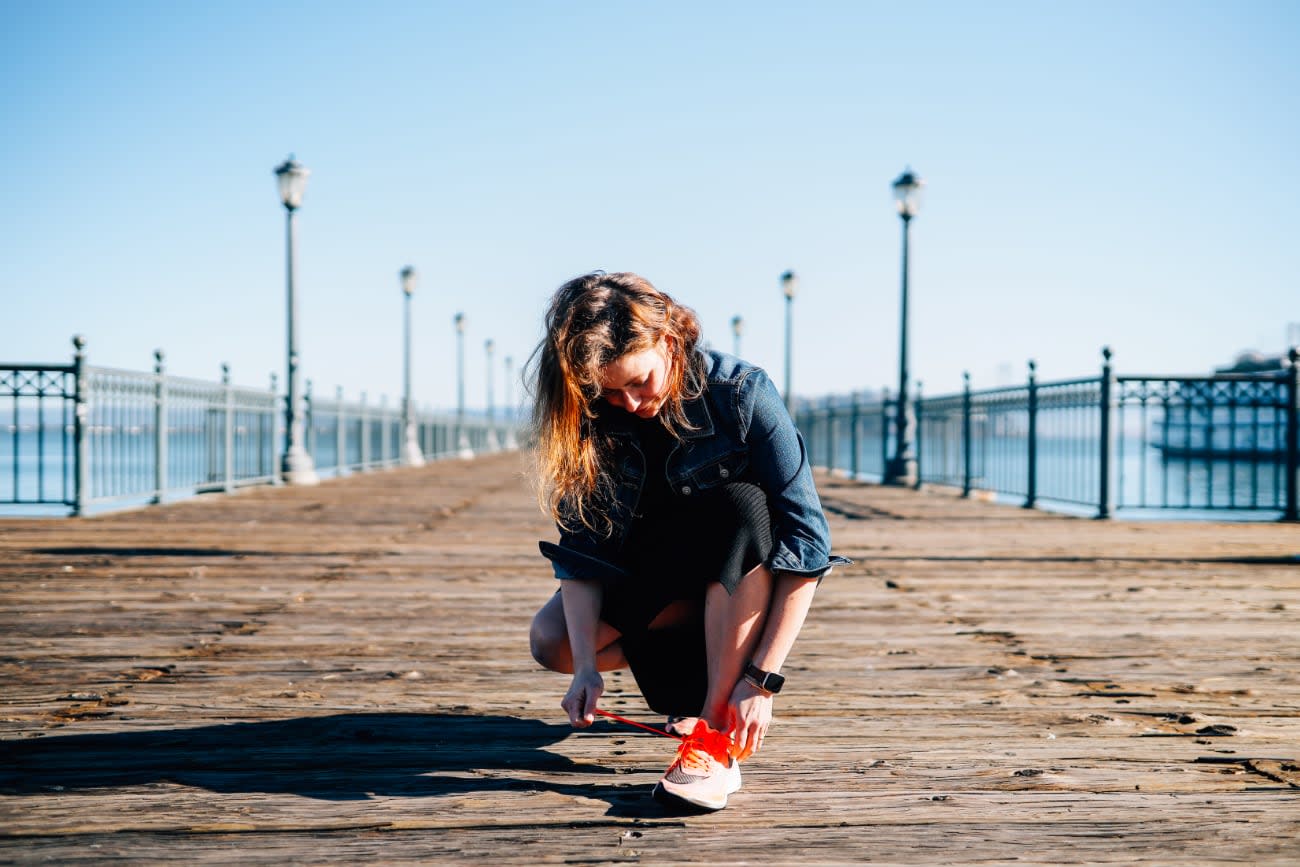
(722, 471)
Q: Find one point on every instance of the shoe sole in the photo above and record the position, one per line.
(672, 799)
(677, 802)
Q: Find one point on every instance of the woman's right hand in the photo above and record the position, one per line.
(580, 701)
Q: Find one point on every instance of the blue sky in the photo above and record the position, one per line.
(1098, 173)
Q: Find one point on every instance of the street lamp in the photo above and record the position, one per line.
(789, 285)
(737, 328)
(296, 467)
(463, 449)
(901, 469)
(411, 455)
(489, 347)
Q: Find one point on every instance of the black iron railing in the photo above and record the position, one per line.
(76, 437)
(1226, 442)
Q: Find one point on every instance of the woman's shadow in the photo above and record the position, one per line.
(341, 757)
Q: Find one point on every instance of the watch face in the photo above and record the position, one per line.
(768, 680)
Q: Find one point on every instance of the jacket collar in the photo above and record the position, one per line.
(697, 413)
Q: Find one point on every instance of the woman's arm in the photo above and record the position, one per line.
(792, 596)
(751, 707)
(581, 616)
(779, 463)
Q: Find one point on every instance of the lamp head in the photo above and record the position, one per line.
(292, 178)
(408, 280)
(907, 193)
(789, 285)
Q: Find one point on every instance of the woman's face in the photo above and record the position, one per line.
(637, 382)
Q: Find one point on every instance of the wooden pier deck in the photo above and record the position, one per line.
(341, 674)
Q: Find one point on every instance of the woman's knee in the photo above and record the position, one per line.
(548, 638)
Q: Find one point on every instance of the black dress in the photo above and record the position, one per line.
(675, 548)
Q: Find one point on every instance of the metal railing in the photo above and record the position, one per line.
(75, 437)
(1227, 442)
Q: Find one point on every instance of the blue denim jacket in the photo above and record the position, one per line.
(742, 433)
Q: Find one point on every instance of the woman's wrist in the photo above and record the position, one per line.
(747, 684)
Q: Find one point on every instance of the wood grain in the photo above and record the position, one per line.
(341, 674)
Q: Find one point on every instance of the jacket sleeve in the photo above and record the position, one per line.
(581, 554)
(779, 463)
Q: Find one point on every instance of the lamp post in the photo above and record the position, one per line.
(789, 285)
(901, 469)
(489, 347)
(411, 455)
(737, 328)
(296, 466)
(463, 449)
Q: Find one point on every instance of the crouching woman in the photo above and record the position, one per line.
(691, 535)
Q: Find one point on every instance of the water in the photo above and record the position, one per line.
(1144, 484)
(1147, 484)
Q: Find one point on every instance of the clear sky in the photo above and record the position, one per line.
(1097, 172)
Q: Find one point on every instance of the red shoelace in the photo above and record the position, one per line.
(702, 739)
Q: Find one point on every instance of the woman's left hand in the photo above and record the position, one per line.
(751, 713)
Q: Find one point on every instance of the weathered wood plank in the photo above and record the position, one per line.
(342, 674)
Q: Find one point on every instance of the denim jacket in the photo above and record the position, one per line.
(742, 433)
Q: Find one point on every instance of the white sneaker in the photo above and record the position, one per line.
(698, 776)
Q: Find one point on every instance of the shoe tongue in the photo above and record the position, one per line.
(710, 740)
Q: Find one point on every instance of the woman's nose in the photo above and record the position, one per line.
(630, 402)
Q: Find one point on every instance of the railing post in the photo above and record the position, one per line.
(967, 459)
(81, 432)
(365, 435)
(159, 427)
(884, 430)
(1104, 504)
(917, 448)
(1031, 493)
(228, 482)
(340, 434)
(276, 414)
(1292, 512)
(855, 423)
(830, 434)
(308, 421)
(384, 433)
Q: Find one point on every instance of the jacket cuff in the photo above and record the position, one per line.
(783, 561)
(571, 564)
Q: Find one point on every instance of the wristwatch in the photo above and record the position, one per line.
(768, 681)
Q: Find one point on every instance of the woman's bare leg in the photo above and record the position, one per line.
(733, 624)
(549, 636)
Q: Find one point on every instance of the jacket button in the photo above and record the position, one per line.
(686, 489)
(724, 472)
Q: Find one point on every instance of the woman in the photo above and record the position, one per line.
(691, 536)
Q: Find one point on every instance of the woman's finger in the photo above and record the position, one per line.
(591, 697)
(747, 743)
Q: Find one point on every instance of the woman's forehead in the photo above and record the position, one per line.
(629, 368)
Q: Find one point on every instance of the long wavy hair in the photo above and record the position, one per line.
(593, 320)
